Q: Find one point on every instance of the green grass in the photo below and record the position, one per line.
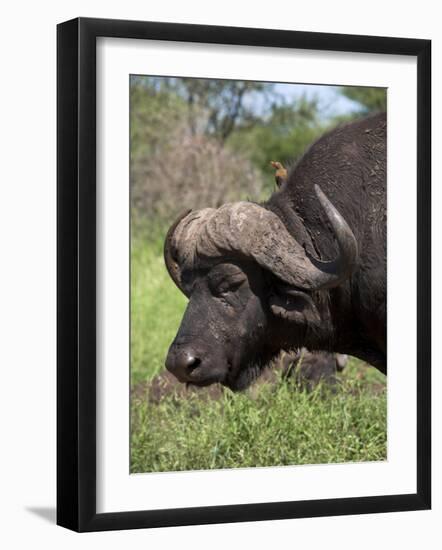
(157, 307)
(269, 425)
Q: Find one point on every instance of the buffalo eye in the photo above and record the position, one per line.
(226, 286)
(223, 281)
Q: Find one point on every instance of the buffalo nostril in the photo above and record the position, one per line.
(182, 363)
(192, 361)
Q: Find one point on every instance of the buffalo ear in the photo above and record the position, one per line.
(294, 305)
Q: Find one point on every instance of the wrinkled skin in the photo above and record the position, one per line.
(247, 319)
(240, 316)
(221, 339)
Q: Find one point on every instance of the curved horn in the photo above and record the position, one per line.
(257, 233)
(333, 273)
(248, 230)
(279, 252)
(169, 256)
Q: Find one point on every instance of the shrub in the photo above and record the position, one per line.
(190, 171)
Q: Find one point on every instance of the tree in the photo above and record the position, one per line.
(282, 136)
(154, 114)
(370, 100)
(175, 165)
(214, 107)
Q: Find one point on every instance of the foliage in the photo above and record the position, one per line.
(370, 100)
(213, 107)
(283, 136)
(198, 142)
(190, 172)
(280, 425)
(153, 116)
(156, 306)
(174, 167)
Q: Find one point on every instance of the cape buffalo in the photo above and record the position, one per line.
(306, 268)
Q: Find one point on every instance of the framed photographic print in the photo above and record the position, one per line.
(243, 250)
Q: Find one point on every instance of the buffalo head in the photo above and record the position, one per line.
(246, 278)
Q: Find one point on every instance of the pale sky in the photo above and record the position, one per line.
(331, 102)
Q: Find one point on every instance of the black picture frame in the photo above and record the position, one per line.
(76, 274)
